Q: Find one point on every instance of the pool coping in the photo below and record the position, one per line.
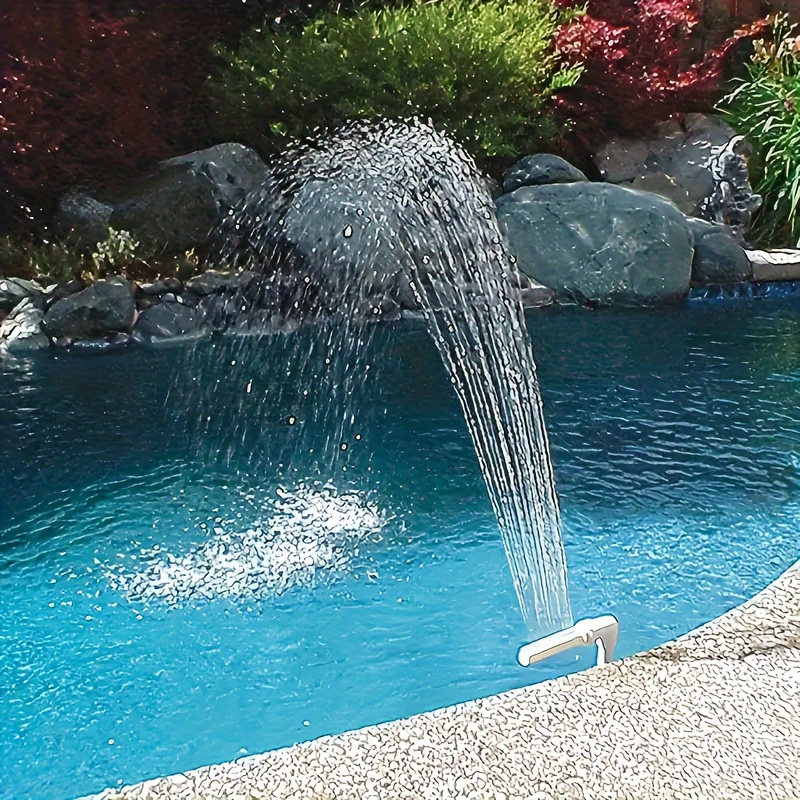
(712, 715)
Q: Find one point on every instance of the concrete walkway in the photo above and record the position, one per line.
(715, 714)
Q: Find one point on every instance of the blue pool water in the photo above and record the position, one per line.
(676, 442)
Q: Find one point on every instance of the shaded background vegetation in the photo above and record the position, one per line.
(93, 92)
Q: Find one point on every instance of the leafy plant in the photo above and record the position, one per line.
(765, 107)
(637, 69)
(116, 253)
(485, 71)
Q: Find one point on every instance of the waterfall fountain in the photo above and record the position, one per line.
(381, 216)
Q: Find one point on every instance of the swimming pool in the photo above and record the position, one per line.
(163, 607)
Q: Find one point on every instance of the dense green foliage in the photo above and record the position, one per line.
(483, 71)
(765, 107)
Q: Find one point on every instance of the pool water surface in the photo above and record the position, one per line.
(170, 598)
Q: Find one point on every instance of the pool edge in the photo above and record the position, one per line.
(714, 713)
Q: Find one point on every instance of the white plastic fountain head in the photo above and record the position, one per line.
(602, 631)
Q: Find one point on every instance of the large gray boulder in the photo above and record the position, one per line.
(104, 308)
(539, 169)
(82, 218)
(598, 243)
(21, 330)
(700, 165)
(178, 206)
(174, 208)
(718, 257)
(169, 320)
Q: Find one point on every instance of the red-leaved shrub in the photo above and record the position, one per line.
(637, 66)
(88, 95)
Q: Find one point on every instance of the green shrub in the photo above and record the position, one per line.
(483, 71)
(765, 107)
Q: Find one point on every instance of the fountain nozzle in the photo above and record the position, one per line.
(602, 631)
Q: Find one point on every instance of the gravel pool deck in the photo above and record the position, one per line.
(714, 714)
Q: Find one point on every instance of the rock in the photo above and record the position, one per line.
(214, 282)
(58, 291)
(260, 322)
(188, 299)
(168, 320)
(774, 265)
(531, 293)
(160, 287)
(223, 311)
(537, 296)
(104, 308)
(380, 308)
(14, 290)
(539, 169)
(701, 166)
(176, 208)
(718, 257)
(21, 330)
(82, 218)
(599, 243)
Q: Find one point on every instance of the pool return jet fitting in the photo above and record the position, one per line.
(602, 631)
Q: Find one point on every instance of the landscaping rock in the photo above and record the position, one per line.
(774, 265)
(531, 293)
(58, 291)
(718, 257)
(214, 282)
(539, 169)
(14, 290)
(104, 308)
(701, 166)
(223, 311)
(160, 287)
(21, 330)
(82, 218)
(176, 208)
(169, 320)
(598, 243)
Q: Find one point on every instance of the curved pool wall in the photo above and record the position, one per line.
(675, 446)
(714, 715)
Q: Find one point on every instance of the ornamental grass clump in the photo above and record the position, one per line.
(765, 107)
(485, 72)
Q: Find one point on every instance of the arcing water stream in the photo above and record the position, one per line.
(372, 217)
